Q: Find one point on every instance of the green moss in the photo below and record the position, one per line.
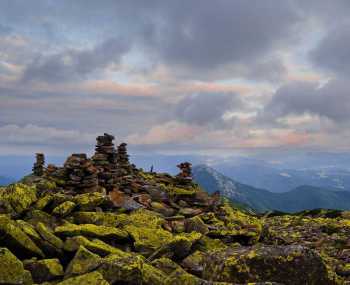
(47, 234)
(89, 201)
(144, 218)
(11, 269)
(64, 209)
(181, 277)
(95, 245)
(44, 270)
(91, 230)
(43, 201)
(118, 269)
(147, 240)
(20, 196)
(97, 218)
(28, 229)
(83, 262)
(37, 216)
(165, 264)
(17, 240)
(92, 278)
(207, 244)
(152, 275)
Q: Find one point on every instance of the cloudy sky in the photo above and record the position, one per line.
(185, 75)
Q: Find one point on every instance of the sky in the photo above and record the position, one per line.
(196, 76)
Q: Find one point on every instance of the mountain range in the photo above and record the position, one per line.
(261, 200)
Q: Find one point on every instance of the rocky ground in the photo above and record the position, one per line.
(150, 228)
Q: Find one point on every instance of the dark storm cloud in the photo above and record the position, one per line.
(207, 108)
(204, 34)
(331, 101)
(74, 64)
(333, 52)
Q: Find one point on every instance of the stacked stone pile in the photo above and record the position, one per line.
(81, 174)
(38, 167)
(124, 166)
(105, 159)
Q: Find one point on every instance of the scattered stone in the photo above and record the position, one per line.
(92, 278)
(64, 209)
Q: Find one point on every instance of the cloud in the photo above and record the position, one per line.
(330, 101)
(207, 108)
(75, 64)
(333, 52)
(168, 133)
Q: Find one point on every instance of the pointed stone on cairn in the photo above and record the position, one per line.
(81, 174)
(105, 159)
(38, 167)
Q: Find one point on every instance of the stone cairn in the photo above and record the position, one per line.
(105, 159)
(186, 170)
(81, 174)
(123, 164)
(38, 167)
(185, 175)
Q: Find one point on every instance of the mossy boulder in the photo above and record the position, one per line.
(289, 265)
(19, 196)
(89, 201)
(148, 240)
(13, 237)
(83, 262)
(232, 225)
(12, 271)
(125, 269)
(44, 269)
(49, 236)
(64, 209)
(196, 224)
(92, 278)
(91, 230)
(96, 218)
(95, 245)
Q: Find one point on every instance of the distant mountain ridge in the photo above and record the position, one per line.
(298, 199)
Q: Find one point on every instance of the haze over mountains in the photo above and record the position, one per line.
(299, 199)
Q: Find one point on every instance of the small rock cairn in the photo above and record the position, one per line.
(105, 159)
(81, 174)
(38, 167)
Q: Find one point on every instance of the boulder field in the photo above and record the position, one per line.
(153, 228)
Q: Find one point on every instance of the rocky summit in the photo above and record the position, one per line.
(101, 220)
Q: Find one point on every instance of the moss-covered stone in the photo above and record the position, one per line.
(64, 209)
(95, 245)
(148, 240)
(44, 201)
(285, 264)
(44, 269)
(20, 196)
(118, 269)
(91, 230)
(196, 224)
(83, 262)
(97, 218)
(48, 235)
(37, 216)
(92, 278)
(152, 275)
(11, 270)
(89, 201)
(12, 236)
